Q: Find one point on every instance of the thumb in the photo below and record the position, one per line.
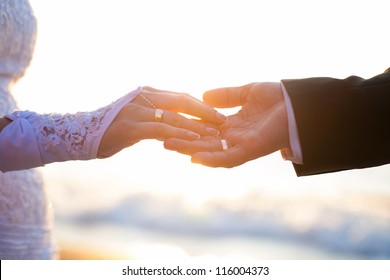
(227, 97)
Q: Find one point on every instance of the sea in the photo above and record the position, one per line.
(316, 218)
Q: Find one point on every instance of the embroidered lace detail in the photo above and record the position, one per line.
(17, 37)
(7, 102)
(17, 41)
(25, 217)
(25, 214)
(72, 130)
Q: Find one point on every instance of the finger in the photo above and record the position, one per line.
(229, 158)
(146, 114)
(162, 131)
(205, 144)
(227, 97)
(180, 121)
(183, 103)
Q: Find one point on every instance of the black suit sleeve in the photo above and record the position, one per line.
(342, 124)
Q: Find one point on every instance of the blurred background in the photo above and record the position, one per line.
(148, 203)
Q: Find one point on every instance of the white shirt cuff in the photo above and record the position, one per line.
(294, 153)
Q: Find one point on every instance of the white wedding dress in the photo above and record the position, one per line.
(33, 140)
(25, 216)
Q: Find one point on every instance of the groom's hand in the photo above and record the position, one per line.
(258, 129)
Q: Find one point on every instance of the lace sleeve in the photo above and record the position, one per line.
(34, 140)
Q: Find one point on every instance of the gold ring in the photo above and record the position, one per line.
(158, 115)
(224, 144)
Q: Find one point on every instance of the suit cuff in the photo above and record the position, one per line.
(294, 153)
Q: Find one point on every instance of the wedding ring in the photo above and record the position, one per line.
(224, 144)
(158, 115)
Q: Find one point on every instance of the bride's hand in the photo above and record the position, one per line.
(154, 114)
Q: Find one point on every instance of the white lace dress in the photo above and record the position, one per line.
(34, 140)
(25, 218)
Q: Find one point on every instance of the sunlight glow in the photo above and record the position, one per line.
(91, 52)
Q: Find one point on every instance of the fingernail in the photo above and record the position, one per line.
(193, 135)
(221, 117)
(212, 131)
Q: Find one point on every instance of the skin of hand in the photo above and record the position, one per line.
(258, 129)
(135, 121)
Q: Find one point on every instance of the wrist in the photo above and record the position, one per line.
(3, 123)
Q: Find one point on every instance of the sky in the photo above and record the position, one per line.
(91, 52)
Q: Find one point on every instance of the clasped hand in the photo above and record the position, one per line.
(258, 129)
(137, 120)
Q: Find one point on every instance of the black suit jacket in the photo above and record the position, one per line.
(342, 124)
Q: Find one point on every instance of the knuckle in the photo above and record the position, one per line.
(177, 120)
